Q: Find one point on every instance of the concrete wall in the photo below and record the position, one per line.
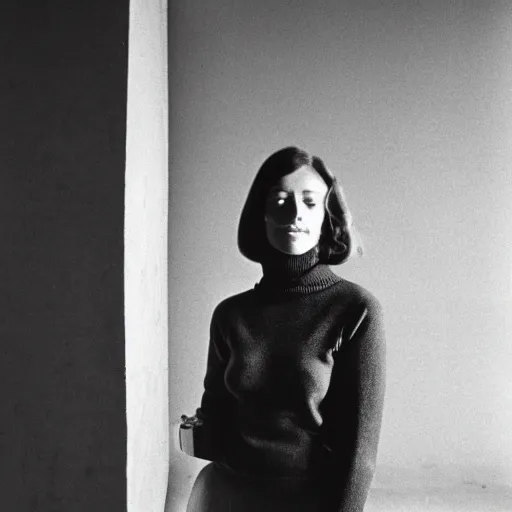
(62, 165)
(146, 290)
(409, 103)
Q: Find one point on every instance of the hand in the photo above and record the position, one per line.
(190, 421)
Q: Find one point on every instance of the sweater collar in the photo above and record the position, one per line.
(295, 274)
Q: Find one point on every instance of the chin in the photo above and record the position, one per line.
(295, 250)
(291, 247)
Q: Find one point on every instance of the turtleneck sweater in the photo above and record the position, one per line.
(301, 274)
(294, 385)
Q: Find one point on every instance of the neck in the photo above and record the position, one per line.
(279, 265)
(295, 274)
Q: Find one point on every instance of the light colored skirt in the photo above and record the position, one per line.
(219, 489)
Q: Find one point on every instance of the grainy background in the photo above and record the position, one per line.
(409, 103)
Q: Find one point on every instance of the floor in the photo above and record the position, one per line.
(434, 489)
(430, 489)
(447, 499)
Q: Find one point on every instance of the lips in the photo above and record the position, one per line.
(295, 229)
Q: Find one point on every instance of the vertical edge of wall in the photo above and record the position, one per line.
(146, 258)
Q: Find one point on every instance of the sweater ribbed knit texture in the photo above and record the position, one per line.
(294, 385)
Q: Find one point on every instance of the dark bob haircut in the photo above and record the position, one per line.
(337, 240)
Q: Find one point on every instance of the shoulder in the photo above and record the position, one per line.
(358, 296)
(228, 306)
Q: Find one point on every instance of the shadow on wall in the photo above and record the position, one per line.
(62, 160)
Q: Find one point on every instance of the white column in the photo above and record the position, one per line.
(146, 296)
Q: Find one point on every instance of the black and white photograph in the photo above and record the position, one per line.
(256, 256)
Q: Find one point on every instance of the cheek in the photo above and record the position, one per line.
(316, 222)
(275, 215)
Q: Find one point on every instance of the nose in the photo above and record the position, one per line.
(295, 210)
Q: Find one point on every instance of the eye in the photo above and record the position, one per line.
(310, 204)
(276, 201)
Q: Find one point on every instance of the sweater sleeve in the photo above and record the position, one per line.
(217, 402)
(355, 407)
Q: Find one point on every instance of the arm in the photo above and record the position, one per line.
(217, 402)
(355, 408)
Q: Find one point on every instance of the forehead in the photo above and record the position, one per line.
(304, 179)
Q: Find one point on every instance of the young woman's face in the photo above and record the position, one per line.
(295, 211)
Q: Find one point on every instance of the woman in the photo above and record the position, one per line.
(295, 378)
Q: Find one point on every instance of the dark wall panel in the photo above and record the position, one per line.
(62, 159)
